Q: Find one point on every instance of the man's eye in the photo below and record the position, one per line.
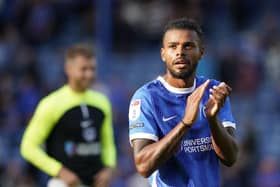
(172, 46)
(190, 46)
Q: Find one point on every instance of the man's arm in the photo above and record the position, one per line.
(149, 155)
(223, 139)
(108, 151)
(34, 136)
(224, 142)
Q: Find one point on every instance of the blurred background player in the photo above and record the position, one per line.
(181, 125)
(75, 124)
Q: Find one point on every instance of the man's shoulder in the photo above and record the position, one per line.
(201, 79)
(148, 88)
(97, 95)
(55, 97)
(55, 94)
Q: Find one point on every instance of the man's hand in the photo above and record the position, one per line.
(193, 104)
(223, 140)
(218, 95)
(69, 177)
(103, 177)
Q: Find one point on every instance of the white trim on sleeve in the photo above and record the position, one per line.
(142, 136)
(229, 124)
(154, 182)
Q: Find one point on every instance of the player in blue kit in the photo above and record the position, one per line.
(181, 125)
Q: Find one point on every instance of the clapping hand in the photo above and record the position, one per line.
(218, 95)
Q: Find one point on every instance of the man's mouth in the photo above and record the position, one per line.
(181, 63)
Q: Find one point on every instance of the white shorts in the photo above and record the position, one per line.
(56, 182)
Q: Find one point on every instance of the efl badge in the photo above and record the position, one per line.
(134, 110)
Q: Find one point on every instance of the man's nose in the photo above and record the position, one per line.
(89, 73)
(180, 51)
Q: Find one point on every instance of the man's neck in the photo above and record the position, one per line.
(76, 88)
(179, 83)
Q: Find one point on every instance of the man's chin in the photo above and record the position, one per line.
(85, 86)
(181, 75)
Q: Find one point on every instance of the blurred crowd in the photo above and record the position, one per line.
(242, 41)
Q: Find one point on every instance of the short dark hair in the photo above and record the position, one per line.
(80, 49)
(184, 23)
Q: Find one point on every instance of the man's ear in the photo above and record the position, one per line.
(201, 50)
(67, 68)
(162, 53)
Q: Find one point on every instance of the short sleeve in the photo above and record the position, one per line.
(142, 123)
(225, 115)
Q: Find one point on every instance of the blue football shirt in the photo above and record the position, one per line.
(155, 109)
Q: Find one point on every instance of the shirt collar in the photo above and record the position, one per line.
(176, 90)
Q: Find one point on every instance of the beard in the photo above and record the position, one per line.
(183, 74)
(84, 84)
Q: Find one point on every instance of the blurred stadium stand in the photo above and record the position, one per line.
(242, 49)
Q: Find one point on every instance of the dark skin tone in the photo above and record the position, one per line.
(81, 72)
(181, 52)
